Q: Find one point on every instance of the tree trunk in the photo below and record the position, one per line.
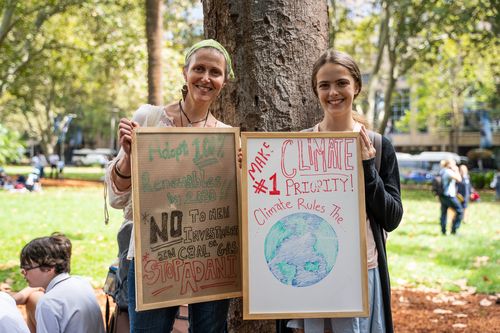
(373, 82)
(273, 45)
(154, 42)
(389, 89)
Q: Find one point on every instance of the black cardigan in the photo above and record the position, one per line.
(385, 211)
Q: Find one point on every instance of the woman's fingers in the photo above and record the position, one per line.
(368, 151)
(240, 157)
(125, 129)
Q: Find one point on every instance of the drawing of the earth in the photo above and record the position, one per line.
(301, 249)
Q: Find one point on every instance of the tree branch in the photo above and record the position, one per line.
(7, 25)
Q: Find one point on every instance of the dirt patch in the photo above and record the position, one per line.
(48, 182)
(423, 311)
(419, 311)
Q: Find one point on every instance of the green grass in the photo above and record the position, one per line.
(76, 212)
(418, 254)
(70, 172)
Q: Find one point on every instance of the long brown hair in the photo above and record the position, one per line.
(343, 59)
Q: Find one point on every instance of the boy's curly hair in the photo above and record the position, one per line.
(50, 251)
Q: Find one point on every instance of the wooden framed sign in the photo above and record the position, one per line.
(185, 186)
(304, 226)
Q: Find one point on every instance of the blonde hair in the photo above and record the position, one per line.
(446, 163)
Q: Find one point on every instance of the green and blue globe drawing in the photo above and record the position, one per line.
(301, 249)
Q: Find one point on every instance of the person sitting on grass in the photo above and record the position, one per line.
(11, 319)
(69, 304)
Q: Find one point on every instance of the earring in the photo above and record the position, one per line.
(184, 91)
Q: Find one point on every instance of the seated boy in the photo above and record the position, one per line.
(69, 304)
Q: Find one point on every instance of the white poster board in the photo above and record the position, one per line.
(304, 226)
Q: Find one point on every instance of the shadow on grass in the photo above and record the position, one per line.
(12, 276)
(76, 236)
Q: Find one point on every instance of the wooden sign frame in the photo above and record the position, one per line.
(304, 226)
(186, 201)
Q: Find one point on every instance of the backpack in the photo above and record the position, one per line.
(437, 185)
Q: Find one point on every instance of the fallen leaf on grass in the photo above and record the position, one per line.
(5, 287)
(462, 283)
(481, 261)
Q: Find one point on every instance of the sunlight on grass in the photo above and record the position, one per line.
(420, 255)
(70, 172)
(76, 212)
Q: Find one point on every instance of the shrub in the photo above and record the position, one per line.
(11, 146)
(481, 179)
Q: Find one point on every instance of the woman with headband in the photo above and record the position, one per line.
(207, 69)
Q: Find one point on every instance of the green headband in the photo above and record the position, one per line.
(213, 44)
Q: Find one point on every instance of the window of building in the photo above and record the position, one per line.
(400, 105)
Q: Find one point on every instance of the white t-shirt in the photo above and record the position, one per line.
(11, 320)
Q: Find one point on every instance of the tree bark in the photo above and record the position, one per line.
(389, 88)
(154, 32)
(273, 45)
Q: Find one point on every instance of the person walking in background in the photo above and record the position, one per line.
(464, 188)
(53, 161)
(495, 184)
(39, 161)
(450, 175)
(68, 304)
(207, 69)
(60, 169)
(336, 81)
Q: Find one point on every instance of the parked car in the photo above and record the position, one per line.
(87, 157)
(421, 168)
(417, 177)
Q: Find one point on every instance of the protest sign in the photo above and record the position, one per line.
(185, 185)
(304, 226)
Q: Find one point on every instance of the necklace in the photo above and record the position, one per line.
(190, 123)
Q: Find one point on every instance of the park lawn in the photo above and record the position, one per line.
(92, 173)
(418, 254)
(76, 212)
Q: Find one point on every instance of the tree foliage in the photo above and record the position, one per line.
(399, 36)
(11, 146)
(85, 57)
(460, 81)
(81, 66)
